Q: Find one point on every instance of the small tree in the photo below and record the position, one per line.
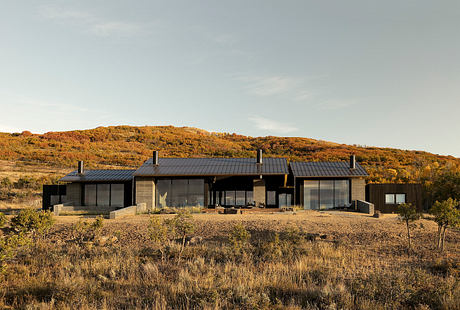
(408, 214)
(446, 215)
(184, 227)
(239, 238)
(159, 234)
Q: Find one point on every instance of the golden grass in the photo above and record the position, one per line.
(362, 264)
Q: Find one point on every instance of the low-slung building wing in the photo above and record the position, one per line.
(99, 176)
(213, 167)
(326, 169)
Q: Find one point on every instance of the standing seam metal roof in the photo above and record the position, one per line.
(213, 167)
(99, 176)
(326, 169)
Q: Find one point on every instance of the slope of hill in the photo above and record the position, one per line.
(129, 146)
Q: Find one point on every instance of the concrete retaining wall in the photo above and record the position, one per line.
(65, 207)
(365, 207)
(132, 210)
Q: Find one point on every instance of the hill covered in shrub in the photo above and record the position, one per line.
(129, 146)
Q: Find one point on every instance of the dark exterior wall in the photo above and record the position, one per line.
(52, 194)
(375, 193)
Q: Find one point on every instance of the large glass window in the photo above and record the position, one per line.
(117, 195)
(163, 190)
(103, 194)
(249, 197)
(195, 192)
(284, 200)
(389, 198)
(341, 193)
(311, 194)
(230, 198)
(240, 198)
(90, 194)
(180, 193)
(271, 198)
(326, 194)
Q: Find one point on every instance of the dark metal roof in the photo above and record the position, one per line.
(213, 167)
(326, 169)
(99, 176)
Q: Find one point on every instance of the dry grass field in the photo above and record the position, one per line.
(359, 263)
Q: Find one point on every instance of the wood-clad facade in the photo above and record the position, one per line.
(386, 197)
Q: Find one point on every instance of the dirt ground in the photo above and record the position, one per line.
(372, 237)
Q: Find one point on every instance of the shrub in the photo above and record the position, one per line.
(158, 232)
(3, 220)
(9, 246)
(239, 239)
(30, 220)
(87, 231)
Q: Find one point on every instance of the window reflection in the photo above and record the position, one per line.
(179, 193)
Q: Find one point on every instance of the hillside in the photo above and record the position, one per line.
(128, 146)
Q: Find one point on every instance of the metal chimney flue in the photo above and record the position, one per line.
(81, 168)
(259, 156)
(352, 162)
(155, 158)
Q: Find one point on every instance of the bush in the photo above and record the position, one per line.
(84, 231)
(239, 239)
(3, 220)
(30, 220)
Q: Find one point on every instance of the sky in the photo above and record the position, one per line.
(375, 73)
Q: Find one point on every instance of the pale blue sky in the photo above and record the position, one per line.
(381, 73)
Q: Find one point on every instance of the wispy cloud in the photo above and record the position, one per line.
(91, 23)
(271, 125)
(268, 85)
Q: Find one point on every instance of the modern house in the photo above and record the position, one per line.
(211, 182)
(326, 185)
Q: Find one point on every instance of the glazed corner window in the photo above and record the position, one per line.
(400, 198)
(389, 198)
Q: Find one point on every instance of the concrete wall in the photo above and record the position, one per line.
(73, 194)
(365, 207)
(358, 189)
(145, 192)
(132, 210)
(259, 191)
